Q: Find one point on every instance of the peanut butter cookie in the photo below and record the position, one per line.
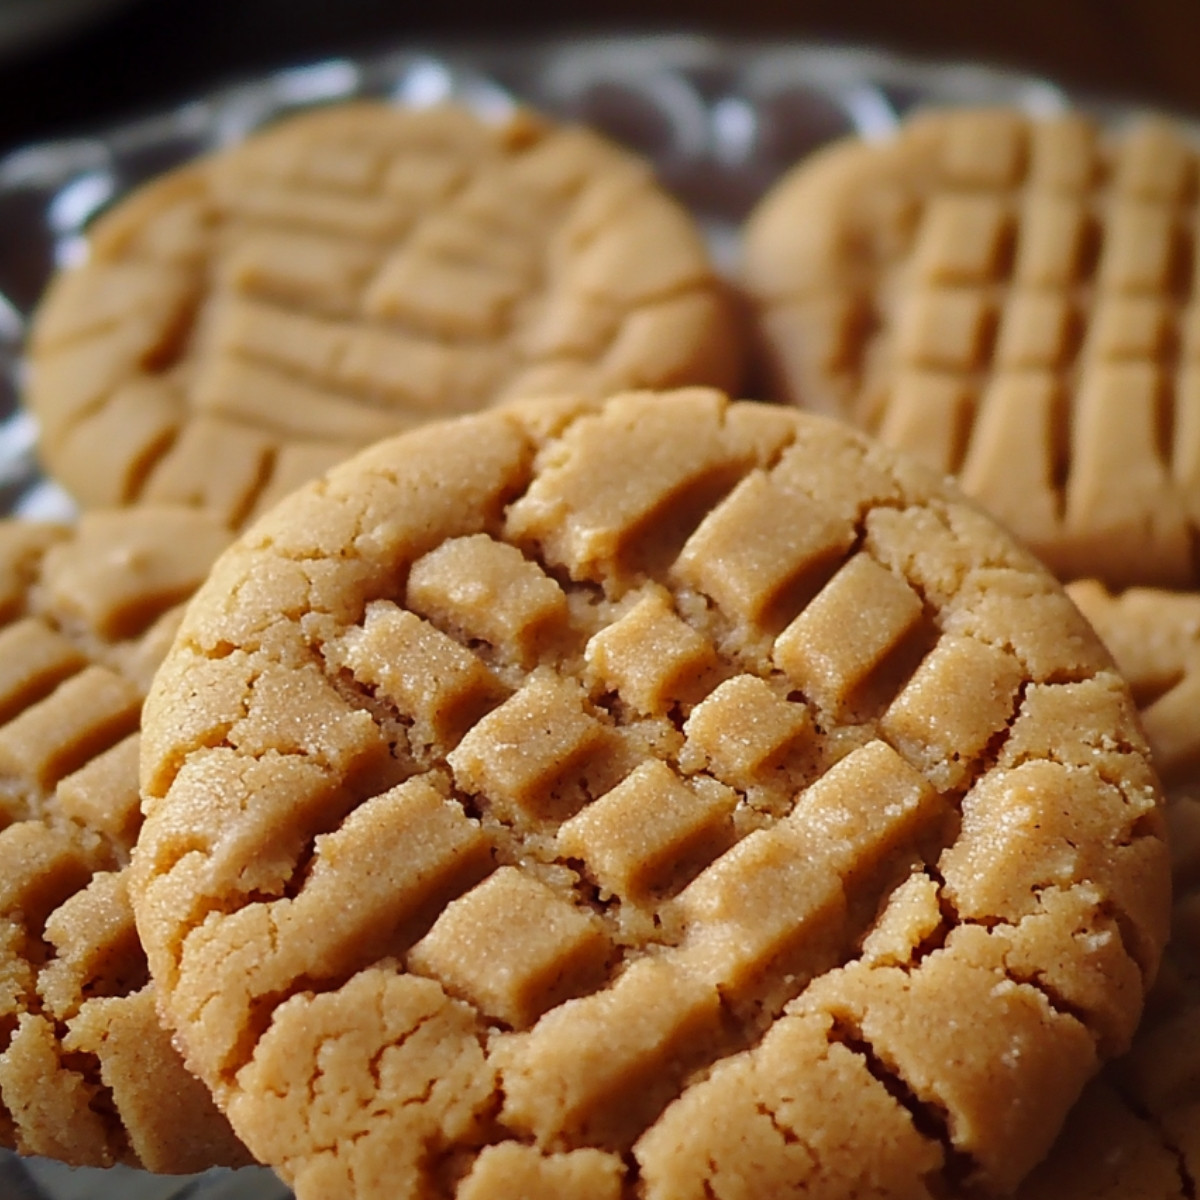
(1013, 300)
(1136, 1130)
(87, 1073)
(246, 321)
(686, 798)
(1154, 636)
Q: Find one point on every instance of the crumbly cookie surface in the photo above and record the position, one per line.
(1133, 1132)
(347, 274)
(543, 795)
(1136, 1129)
(88, 1075)
(1012, 300)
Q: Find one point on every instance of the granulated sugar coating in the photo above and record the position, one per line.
(349, 273)
(680, 799)
(1013, 299)
(87, 1073)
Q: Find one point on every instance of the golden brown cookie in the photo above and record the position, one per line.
(1154, 636)
(1136, 1130)
(683, 799)
(1011, 299)
(347, 274)
(87, 1073)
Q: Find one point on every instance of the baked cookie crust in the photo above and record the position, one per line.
(682, 798)
(1012, 299)
(247, 320)
(88, 1074)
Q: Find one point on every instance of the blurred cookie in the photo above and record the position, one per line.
(545, 793)
(1012, 300)
(1154, 636)
(249, 319)
(87, 1073)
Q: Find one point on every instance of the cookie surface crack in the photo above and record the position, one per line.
(929, 1120)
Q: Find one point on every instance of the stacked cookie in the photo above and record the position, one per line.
(88, 1074)
(594, 791)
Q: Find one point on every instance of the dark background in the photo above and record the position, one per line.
(145, 53)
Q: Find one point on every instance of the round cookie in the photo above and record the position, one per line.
(684, 798)
(1011, 299)
(351, 272)
(88, 1075)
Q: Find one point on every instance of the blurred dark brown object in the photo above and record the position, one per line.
(154, 52)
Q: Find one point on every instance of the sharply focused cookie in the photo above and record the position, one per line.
(249, 319)
(87, 1073)
(1154, 636)
(1012, 299)
(683, 799)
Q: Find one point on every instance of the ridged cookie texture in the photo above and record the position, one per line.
(679, 799)
(351, 272)
(88, 1075)
(1012, 299)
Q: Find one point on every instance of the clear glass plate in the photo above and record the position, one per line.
(720, 119)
